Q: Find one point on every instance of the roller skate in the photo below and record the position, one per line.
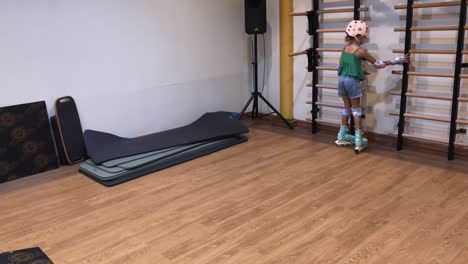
(361, 142)
(344, 138)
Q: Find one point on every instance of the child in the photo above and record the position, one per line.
(350, 76)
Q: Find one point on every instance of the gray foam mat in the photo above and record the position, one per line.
(168, 162)
(102, 174)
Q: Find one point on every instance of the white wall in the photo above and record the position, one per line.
(133, 66)
(382, 18)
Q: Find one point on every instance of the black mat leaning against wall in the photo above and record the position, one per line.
(68, 133)
(26, 145)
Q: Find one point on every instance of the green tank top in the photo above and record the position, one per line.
(351, 65)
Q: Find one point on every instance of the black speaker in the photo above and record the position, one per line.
(255, 16)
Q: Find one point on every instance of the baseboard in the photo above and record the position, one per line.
(382, 140)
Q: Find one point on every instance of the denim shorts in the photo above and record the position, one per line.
(349, 87)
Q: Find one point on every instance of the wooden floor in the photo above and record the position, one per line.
(280, 198)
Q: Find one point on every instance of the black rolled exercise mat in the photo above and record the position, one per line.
(170, 161)
(102, 147)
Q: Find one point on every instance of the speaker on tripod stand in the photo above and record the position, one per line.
(256, 23)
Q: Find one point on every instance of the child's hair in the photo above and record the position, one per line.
(350, 40)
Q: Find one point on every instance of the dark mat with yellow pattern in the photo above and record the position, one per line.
(25, 256)
(26, 145)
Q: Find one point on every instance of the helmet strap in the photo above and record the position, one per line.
(357, 39)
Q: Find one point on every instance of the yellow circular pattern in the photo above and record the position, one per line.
(41, 161)
(4, 168)
(19, 134)
(30, 147)
(7, 120)
(21, 257)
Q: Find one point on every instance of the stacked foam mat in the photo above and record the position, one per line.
(114, 160)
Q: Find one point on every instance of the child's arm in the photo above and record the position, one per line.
(364, 54)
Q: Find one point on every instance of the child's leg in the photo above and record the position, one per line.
(357, 112)
(346, 111)
(344, 138)
(360, 141)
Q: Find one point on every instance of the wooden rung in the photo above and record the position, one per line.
(340, 10)
(322, 86)
(298, 14)
(318, 49)
(323, 68)
(329, 105)
(439, 28)
(427, 74)
(325, 104)
(431, 118)
(428, 5)
(428, 51)
(462, 122)
(329, 49)
(297, 53)
(464, 76)
(416, 95)
(448, 98)
(331, 30)
(461, 144)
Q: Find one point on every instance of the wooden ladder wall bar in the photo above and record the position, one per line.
(457, 80)
(313, 55)
(457, 76)
(404, 86)
(314, 61)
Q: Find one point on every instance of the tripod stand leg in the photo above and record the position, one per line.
(276, 111)
(245, 107)
(254, 106)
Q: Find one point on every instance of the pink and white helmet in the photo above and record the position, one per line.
(357, 27)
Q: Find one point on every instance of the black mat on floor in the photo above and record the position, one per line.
(25, 256)
(171, 161)
(26, 145)
(103, 147)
